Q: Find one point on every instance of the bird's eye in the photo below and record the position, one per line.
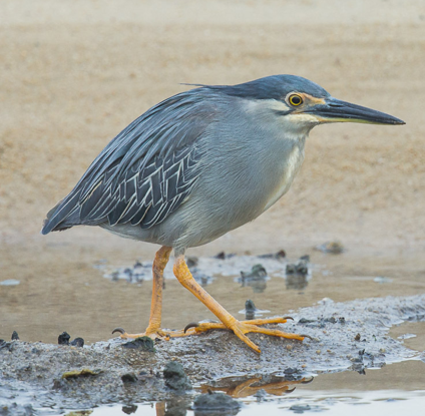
(295, 100)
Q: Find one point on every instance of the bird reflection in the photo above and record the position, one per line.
(243, 387)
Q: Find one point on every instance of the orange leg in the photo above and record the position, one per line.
(184, 276)
(154, 328)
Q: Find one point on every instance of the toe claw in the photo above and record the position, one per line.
(288, 317)
(191, 325)
(120, 330)
(308, 381)
(309, 337)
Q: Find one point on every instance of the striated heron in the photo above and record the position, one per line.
(197, 165)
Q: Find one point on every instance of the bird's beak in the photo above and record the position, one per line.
(333, 110)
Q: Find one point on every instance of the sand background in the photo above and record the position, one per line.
(75, 73)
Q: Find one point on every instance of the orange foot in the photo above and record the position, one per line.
(151, 333)
(240, 328)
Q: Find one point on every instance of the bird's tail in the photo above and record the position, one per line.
(64, 215)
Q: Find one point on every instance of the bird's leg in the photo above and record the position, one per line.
(184, 276)
(154, 328)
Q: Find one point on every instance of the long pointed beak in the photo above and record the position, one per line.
(336, 110)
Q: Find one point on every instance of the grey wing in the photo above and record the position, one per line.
(145, 173)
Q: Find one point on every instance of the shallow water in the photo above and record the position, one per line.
(330, 394)
(378, 403)
(63, 288)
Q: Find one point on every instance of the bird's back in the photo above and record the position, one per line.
(145, 172)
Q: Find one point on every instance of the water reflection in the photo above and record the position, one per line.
(298, 274)
(296, 281)
(240, 387)
(256, 278)
(237, 387)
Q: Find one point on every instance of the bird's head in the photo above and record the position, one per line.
(300, 104)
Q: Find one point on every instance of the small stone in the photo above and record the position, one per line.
(15, 336)
(221, 255)
(290, 370)
(77, 342)
(63, 339)
(129, 378)
(289, 347)
(318, 351)
(175, 377)
(215, 402)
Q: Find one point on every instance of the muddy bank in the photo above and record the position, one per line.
(348, 336)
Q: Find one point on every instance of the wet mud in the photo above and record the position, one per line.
(345, 336)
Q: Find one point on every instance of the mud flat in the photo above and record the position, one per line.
(346, 336)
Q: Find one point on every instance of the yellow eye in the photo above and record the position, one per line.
(295, 100)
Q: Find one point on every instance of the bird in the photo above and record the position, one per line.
(200, 164)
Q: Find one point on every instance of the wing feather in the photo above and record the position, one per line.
(146, 172)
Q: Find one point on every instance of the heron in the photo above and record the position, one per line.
(198, 165)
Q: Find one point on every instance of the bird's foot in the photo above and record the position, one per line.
(240, 328)
(153, 333)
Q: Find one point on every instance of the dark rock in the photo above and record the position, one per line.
(77, 342)
(63, 339)
(278, 256)
(257, 272)
(128, 410)
(129, 378)
(300, 268)
(256, 278)
(290, 370)
(15, 336)
(216, 402)
(250, 309)
(305, 321)
(142, 343)
(175, 377)
(221, 255)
